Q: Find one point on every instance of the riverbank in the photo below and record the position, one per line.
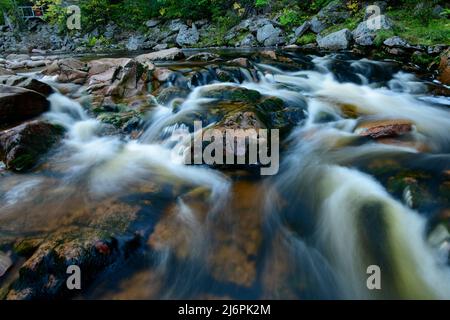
(399, 31)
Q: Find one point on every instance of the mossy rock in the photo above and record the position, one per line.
(231, 93)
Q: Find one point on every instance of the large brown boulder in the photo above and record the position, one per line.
(444, 68)
(27, 83)
(67, 70)
(113, 81)
(21, 146)
(19, 104)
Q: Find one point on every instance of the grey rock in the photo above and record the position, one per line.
(267, 33)
(299, 31)
(339, 40)
(188, 36)
(152, 23)
(248, 41)
(175, 25)
(365, 33)
(335, 12)
(161, 46)
(134, 43)
(396, 42)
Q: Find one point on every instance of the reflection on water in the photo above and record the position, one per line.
(339, 203)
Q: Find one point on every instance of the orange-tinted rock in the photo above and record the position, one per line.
(444, 68)
(384, 128)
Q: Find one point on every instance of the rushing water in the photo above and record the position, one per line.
(308, 232)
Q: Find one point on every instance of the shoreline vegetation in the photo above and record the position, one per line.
(419, 28)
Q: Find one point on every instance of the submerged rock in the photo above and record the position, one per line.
(19, 104)
(103, 239)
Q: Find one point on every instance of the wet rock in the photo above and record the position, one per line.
(166, 95)
(188, 36)
(444, 68)
(5, 263)
(19, 104)
(241, 62)
(339, 40)
(223, 92)
(67, 70)
(163, 55)
(105, 237)
(113, 80)
(21, 147)
(4, 71)
(27, 83)
(203, 56)
(384, 128)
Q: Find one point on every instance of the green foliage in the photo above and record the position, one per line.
(188, 9)
(319, 4)
(306, 39)
(291, 17)
(93, 41)
(54, 12)
(261, 3)
(416, 31)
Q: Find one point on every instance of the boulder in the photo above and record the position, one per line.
(112, 80)
(67, 70)
(27, 83)
(366, 31)
(163, 55)
(383, 128)
(21, 147)
(335, 12)
(444, 68)
(101, 235)
(300, 31)
(396, 42)
(339, 40)
(19, 104)
(268, 35)
(187, 36)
